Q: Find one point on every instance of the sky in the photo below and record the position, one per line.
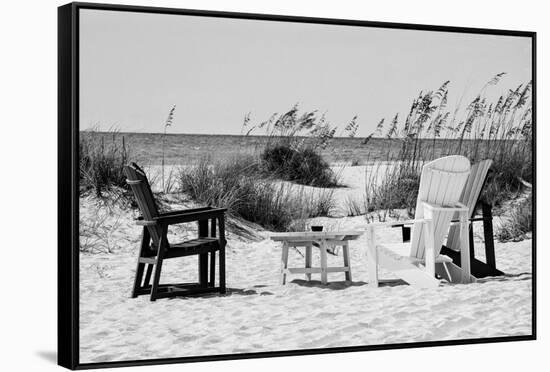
(134, 67)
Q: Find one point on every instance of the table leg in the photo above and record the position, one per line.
(284, 263)
(308, 260)
(323, 248)
(345, 250)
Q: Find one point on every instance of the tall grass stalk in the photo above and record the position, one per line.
(167, 124)
(500, 130)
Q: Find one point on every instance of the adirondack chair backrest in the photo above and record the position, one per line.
(441, 183)
(469, 197)
(139, 184)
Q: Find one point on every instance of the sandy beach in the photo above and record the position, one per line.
(257, 314)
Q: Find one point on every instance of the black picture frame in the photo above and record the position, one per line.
(68, 188)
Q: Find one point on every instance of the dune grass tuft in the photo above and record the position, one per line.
(238, 185)
(518, 223)
(294, 141)
(499, 130)
(102, 158)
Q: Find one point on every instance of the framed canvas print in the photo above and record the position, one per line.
(243, 185)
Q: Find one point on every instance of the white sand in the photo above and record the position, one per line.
(259, 315)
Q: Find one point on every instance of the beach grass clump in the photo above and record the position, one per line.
(518, 223)
(500, 130)
(293, 147)
(102, 157)
(397, 189)
(304, 165)
(354, 207)
(239, 185)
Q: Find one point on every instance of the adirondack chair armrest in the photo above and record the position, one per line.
(183, 211)
(477, 219)
(141, 222)
(404, 225)
(371, 239)
(431, 206)
(184, 217)
(396, 223)
(458, 207)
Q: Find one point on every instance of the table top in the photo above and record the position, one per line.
(316, 235)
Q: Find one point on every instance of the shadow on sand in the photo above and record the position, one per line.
(229, 292)
(339, 285)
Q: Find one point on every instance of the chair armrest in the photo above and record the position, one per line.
(189, 217)
(397, 223)
(183, 211)
(458, 207)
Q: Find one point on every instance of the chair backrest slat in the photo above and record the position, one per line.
(144, 197)
(441, 183)
(470, 197)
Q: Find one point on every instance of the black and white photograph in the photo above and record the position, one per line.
(251, 184)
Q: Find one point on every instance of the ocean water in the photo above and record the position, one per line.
(180, 149)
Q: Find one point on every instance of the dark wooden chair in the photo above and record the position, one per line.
(470, 197)
(155, 247)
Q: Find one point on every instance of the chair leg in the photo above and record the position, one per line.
(471, 239)
(137, 279)
(345, 250)
(464, 249)
(158, 268)
(212, 255)
(488, 235)
(447, 271)
(145, 240)
(221, 229)
(222, 270)
(203, 270)
(156, 279)
(308, 260)
(372, 257)
(148, 273)
(212, 269)
(203, 258)
(284, 263)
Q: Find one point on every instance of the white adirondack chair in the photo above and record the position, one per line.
(469, 197)
(417, 262)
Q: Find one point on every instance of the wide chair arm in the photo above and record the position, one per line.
(184, 211)
(190, 215)
(396, 223)
(458, 207)
(429, 208)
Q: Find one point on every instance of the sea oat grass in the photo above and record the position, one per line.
(240, 186)
(102, 158)
(518, 222)
(500, 130)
